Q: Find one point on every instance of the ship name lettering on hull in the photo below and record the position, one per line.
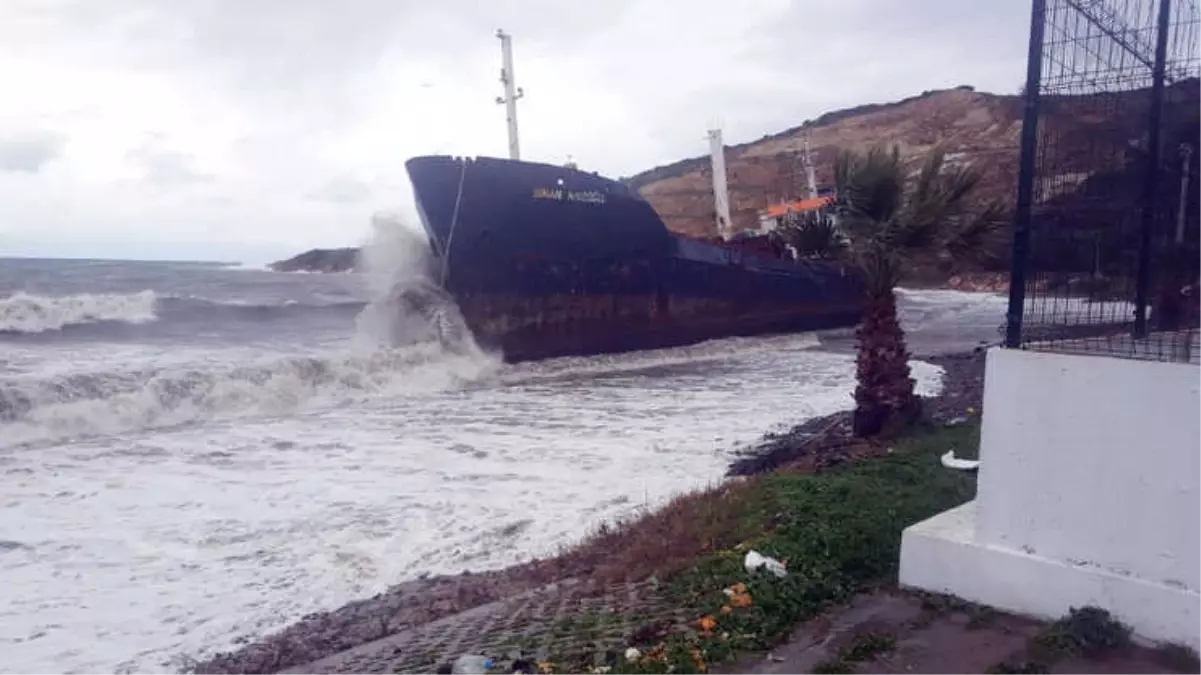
(586, 196)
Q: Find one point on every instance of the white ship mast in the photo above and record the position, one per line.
(512, 92)
(721, 193)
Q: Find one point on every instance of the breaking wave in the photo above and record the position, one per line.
(79, 405)
(29, 313)
(412, 339)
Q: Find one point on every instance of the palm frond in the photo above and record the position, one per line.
(814, 235)
(927, 178)
(844, 164)
(980, 237)
(870, 186)
(959, 183)
(889, 218)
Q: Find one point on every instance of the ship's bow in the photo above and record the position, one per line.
(437, 186)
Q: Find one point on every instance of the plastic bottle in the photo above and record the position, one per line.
(471, 663)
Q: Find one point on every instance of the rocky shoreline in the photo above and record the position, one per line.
(825, 441)
(819, 442)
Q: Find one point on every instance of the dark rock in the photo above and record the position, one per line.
(320, 260)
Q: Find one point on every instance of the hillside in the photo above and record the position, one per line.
(979, 124)
(320, 260)
(975, 127)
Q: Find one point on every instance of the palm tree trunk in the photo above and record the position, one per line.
(884, 397)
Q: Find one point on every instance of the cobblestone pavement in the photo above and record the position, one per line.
(571, 617)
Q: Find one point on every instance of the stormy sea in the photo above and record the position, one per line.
(192, 454)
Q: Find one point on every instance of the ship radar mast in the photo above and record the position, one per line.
(512, 92)
(721, 194)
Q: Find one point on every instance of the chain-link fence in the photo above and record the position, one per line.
(1106, 237)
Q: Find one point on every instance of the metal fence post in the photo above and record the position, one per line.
(1151, 175)
(1025, 196)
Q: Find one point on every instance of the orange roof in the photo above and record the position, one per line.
(800, 205)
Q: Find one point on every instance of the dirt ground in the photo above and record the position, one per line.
(892, 631)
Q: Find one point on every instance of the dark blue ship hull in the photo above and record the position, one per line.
(549, 261)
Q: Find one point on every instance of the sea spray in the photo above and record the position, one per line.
(408, 306)
(396, 256)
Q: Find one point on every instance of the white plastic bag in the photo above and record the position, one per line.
(950, 461)
(755, 560)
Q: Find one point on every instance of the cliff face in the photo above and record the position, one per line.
(320, 260)
(978, 128)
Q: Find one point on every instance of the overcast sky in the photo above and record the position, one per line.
(250, 129)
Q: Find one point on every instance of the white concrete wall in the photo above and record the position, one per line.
(1095, 462)
(942, 555)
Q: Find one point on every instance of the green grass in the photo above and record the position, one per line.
(868, 646)
(1089, 631)
(839, 533)
(862, 649)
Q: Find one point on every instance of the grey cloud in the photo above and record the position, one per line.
(301, 80)
(269, 48)
(307, 36)
(309, 63)
(815, 57)
(30, 151)
(165, 167)
(342, 191)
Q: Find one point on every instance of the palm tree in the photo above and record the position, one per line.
(814, 235)
(887, 221)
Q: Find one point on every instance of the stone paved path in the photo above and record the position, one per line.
(926, 639)
(569, 617)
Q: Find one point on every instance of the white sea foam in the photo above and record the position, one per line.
(1041, 309)
(233, 490)
(148, 545)
(75, 405)
(29, 313)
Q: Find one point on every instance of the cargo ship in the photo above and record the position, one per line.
(545, 260)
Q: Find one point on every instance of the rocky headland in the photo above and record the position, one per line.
(320, 260)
